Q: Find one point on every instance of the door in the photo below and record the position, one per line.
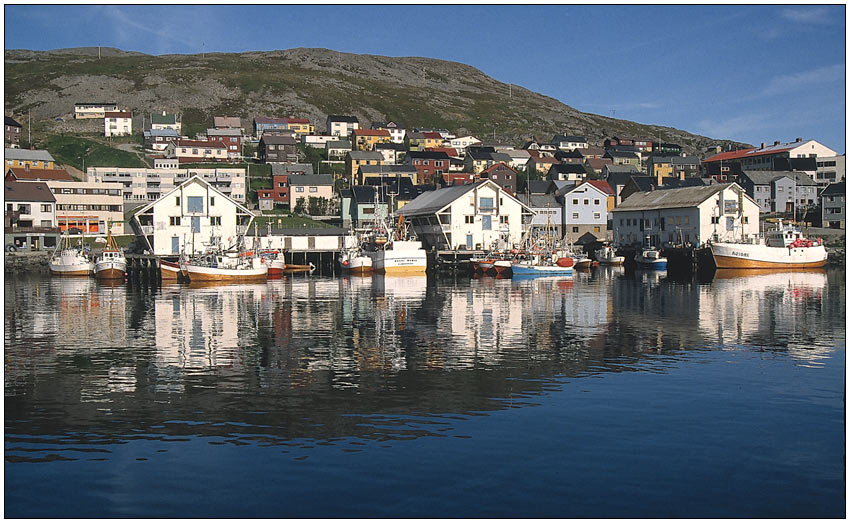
(175, 245)
(469, 241)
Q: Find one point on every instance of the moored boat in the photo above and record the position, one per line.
(782, 248)
(70, 260)
(650, 258)
(607, 256)
(394, 254)
(111, 264)
(353, 261)
(226, 267)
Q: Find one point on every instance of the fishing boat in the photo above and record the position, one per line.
(218, 266)
(556, 264)
(782, 248)
(395, 254)
(111, 264)
(581, 262)
(650, 258)
(70, 260)
(173, 271)
(354, 261)
(606, 256)
(503, 267)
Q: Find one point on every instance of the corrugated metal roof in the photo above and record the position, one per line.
(671, 198)
(27, 155)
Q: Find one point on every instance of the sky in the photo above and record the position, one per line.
(747, 73)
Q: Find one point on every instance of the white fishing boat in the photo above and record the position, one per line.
(650, 258)
(226, 267)
(607, 256)
(394, 254)
(782, 248)
(111, 264)
(70, 260)
(353, 260)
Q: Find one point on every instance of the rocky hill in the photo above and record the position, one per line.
(310, 83)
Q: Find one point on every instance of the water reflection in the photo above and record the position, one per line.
(303, 353)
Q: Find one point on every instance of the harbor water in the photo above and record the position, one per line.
(606, 394)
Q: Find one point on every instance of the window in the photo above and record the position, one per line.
(586, 201)
(469, 219)
(575, 216)
(715, 219)
(575, 229)
(628, 221)
(299, 189)
(596, 229)
(314, 189)
(174, 220)
(596, 216)
(195, 152)
(46, 223)
(46, 207)
(486, 223)
(177, 202)
(23, 208)
(212, 201)
(486, 203)
(215, 221)
(195, 203)
(686, 220)
(596, 201)
(503, 219)
(621, 222)
(575, 201)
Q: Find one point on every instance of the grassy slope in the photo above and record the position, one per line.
(70, 150)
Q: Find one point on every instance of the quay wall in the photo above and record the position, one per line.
(18, 262)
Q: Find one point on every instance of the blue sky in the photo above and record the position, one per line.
(747, 73)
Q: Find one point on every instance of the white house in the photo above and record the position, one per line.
(569, 143)
(188, 151)
(519, 158)
(190, 218)
(117, 123)
(474, 216)
(86, 110)
(548, 213)
(690, 214)
(586, 211)
(341, 125)
(164, 120)
(460, 143)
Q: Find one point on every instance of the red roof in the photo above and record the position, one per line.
(119, 114)
(495, 166)
(749, 153)
(199, 143)
(546, 159)
(448, 150)
(298, 120)
(22, 173)
(433, 135)
(602, 185)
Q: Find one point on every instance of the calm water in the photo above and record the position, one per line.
(609, 395)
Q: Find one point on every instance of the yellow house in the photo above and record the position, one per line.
(355, 159)
(301, 126)
(36, 159)
(365, 139)
(422, 141)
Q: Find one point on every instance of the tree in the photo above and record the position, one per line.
(300, 206)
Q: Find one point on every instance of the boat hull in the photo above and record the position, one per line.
(518, 269)
(110, 270)
(359, 265)
(79, 269)
(400, 259)
(657, 264)
(276, 269)
(216, 274)
(755, 256)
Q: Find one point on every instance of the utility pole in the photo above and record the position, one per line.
(98, 52)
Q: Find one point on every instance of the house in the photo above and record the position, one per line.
(298, 126)
(365, 139)
(504, 176)
(519, 158)
(640, 144)
(684, 166)
(273, 148)
(548, 214)
(28, 174)
(395, 129)
(279, 194)
(480, 158)
(190, 218)
(460, 143)
(569, 143)
(722, 172)
(591, 152)
(419, 141)
(779, 191)
(306, 186)
(337, 149)
(118, 123)
(318, 141)
(157, 139)
(355, 159)
(475, 216)
(597, 165)
(89, 206)
(540, 166)
(667, 149)
(30, 215)
(360, 205)
(606, 188)
(265, 199)
(762, 157)
(571, 156)
(687, 215)
(164, 120)
(623, 157)
(567, 172)
(12, 136)
(397, 191)
(392, 152)
(834, 206)
(538, 187)
(231, 138)
(228, 122)
(145, 184)
(341, 125)
(86, 110)
(586, 211)
(365, 172)
(431, 165)
(458, 178)
(195, 151)
(830, 169)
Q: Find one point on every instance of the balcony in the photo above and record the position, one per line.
(147, 230)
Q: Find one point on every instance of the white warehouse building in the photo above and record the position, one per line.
(690, 214)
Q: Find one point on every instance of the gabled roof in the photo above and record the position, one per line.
(27, 155)
(450, 151)
(389, 170)
(621, 153)
(671, 198)
(675, 160)
(500, 157)
(224, 132)
(27, 192)
(372, 132)
(339, 144)
(545, 159)
(648, 183)
(364, 155)
(10, 121)
(498, 167)
(598, 163)
(164, 133)
(755, 151)
(602, 185)
(118, 114)
(387, 125)
(539, 201)
(568, 168)
(591, 151)
(194, 179)
(311, 179)
(611, 168)
(759, 177)
(279, 169)
(538, 186)
(415, 135)
(428, 155)
(22, 173)
(431, 135)
(277, 139)
(227, 121)
(399, 147)
(199, 144)
(434, 201)
(343, 118)
(833, 189)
